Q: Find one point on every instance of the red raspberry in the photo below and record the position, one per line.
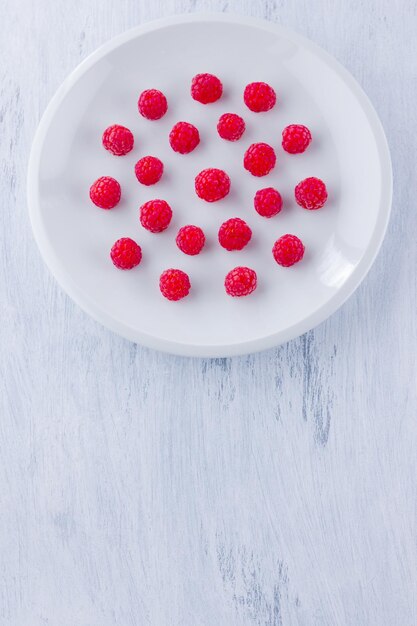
(234, 234)
(149, 170)
(105, 192)
(184, 137)
(206, 88)
(267, 202)
(259, 97)
(152, 104)
(259, 159)
(231, 126)
(288, 250)
(240, 281)
(118, 140)
(174, 284)
(190, 240)
(296, 138)
(126, 253)
(212, 184)
(155, 215)
(311, 193)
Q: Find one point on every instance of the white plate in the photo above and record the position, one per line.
(349, 152)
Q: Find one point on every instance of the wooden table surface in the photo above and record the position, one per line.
(137, 488)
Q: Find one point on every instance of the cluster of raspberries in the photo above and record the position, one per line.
(211, 185)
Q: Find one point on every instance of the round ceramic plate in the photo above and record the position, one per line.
(349, 152)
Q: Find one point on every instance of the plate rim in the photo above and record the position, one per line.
(222, 350)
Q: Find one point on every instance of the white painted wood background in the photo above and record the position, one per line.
(138, 488)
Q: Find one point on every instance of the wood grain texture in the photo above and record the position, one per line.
(137, 488)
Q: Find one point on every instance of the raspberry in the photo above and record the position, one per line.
(296, 138)
(259, 159)
(259, 97)
(152, 104)
(267, 202)
(126, 253)
(155, 215)
(149, 170)
(234, 234)
(230, 126)
(311, 193)
(190, 240)
(118, 140)
(212, 184)
(240, 281)
(288, 250)
(105, 192)
(174, 284)
(184, 137)
(206, 88)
